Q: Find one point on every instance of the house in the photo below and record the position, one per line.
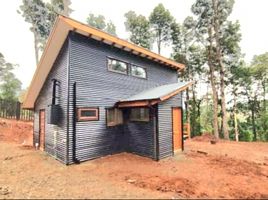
(94, 94)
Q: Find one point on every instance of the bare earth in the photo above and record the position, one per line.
(223, 170)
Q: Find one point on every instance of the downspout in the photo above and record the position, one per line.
(68, 99)
(74, 124)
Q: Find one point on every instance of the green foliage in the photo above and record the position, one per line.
(139, 28)
(98, 21)
(161, 21)
(9, 84)
(206, 118)
(42, 16)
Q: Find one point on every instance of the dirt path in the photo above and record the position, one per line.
(203, 171)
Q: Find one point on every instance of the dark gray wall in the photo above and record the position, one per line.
(55, 136)
(98, 87)
(165, 134)
(140, 137)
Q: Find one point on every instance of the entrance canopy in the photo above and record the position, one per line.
(154, 95)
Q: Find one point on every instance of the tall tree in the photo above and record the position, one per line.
(204, 32)
(42, 16)
(161, 21)
(99, 22)
(34, 12)
(139, 28)
(221, 10)
(188, 52)
(9, 84)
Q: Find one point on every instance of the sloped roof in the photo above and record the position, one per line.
(59, 33)
(154, 95)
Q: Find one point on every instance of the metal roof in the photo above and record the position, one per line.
(159, 93)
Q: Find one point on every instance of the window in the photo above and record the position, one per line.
(88, 114)
(138, 71)
(139, 114)
(114, 117)
(117, 66)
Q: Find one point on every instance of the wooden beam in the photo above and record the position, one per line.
(176, 92)
(101, 34)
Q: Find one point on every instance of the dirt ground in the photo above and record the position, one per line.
(203, 170)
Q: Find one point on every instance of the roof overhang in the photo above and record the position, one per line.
(58, 35)
(164, 93)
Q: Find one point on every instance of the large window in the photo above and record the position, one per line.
(88, 114)
(138, 71)
(139, 114)
(114, 116)
(117, 66)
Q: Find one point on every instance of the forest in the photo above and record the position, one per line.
(228, 97)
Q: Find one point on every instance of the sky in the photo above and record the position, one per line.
(16, 40)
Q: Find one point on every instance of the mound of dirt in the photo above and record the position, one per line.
(206, 137)
(20, 132)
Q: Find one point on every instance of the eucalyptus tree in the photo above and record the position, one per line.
(161, 21)
(42, 16)
(139, 28)
(187, 51)
(99, 22)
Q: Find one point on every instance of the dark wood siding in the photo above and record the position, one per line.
(165, 125)
(98, 87)
(55, 136)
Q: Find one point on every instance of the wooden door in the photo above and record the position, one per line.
(42, 129)
(177, 128)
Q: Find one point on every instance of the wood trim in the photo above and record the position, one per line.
(176, 92)
(142, 103)
(120, 42)
(93, 118)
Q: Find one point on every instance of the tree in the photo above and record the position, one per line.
(99, 22)
(139, 28)
(34, 12)
(161, 21)
(204, 32)
(221, 10)
(42, 16)
(9, 84)
(188, 52)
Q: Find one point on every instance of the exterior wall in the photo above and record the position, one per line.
(98, 87)
(165, 133)
(140, 137)
(55, 136)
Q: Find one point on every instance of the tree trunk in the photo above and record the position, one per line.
(188, 109)
(36, 49)
(213, 86)
(253, 108)
(222, 71)
(235, 119)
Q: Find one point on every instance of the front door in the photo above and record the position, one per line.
(42, 129)
(177, 128)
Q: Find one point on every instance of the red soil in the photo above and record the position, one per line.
(222, 170)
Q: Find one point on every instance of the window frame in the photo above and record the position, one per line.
(116, 59)
(114, 123)
(145, 69)
(141, 119)
(94, 118)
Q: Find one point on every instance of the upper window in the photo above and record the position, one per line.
(138, 71)
(139, 114)
(114, 116)
(117, 66)
(87, 114)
